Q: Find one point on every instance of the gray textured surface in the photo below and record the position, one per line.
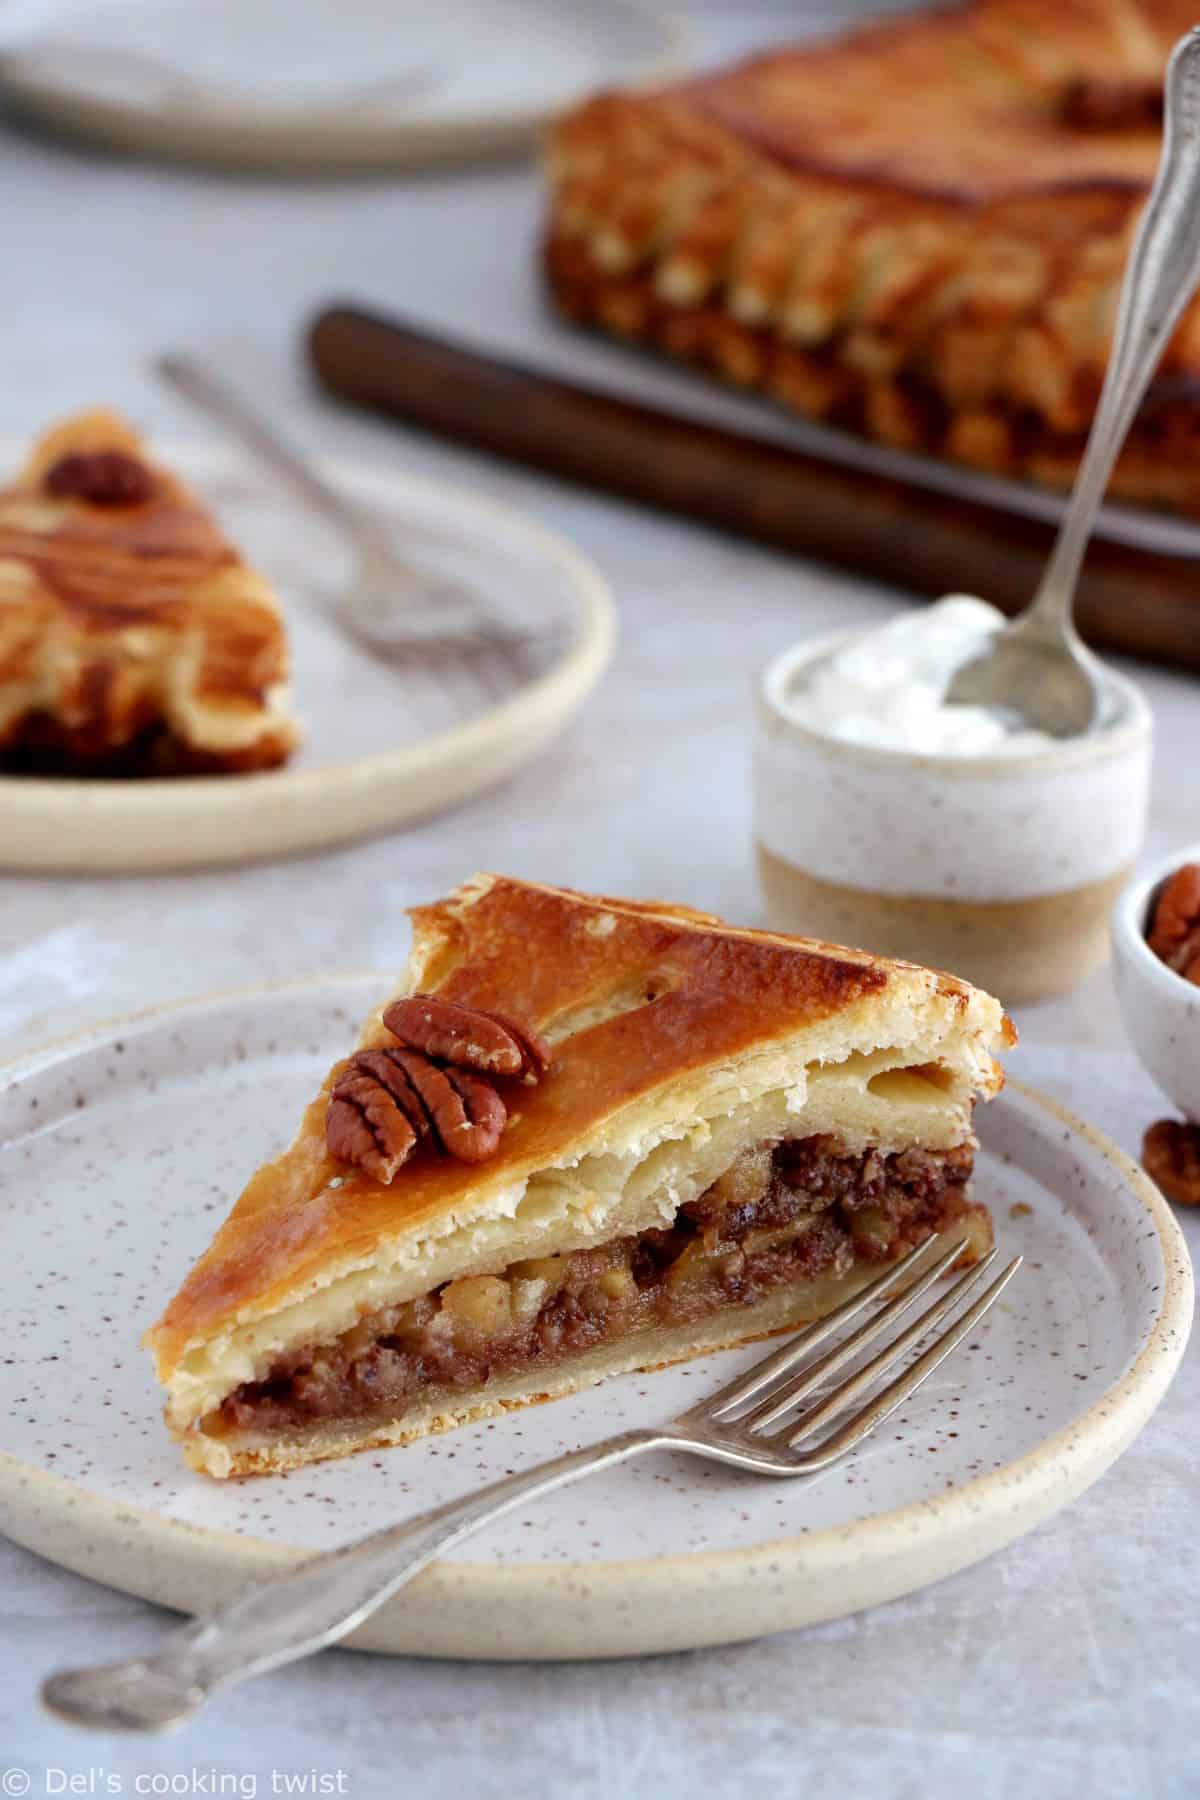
(1066, 1665)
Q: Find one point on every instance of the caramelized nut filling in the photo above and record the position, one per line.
(782, 1213)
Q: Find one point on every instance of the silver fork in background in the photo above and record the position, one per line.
(394, 609)
(750, 1423)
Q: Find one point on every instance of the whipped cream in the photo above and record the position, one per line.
(887, 689)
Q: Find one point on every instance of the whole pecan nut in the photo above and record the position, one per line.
(387, 1101)
(463, 1114)
(1174, 934)
(367, 1124)
(105, 477)
(1171, 1157)
(466, 1036)
(435, 1086)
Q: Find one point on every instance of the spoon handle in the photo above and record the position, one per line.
(1161, 275)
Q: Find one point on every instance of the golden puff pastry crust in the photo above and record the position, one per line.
(677, 1042)
(916, 231)
(133, 638)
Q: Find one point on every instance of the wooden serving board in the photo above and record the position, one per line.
(1141, 602)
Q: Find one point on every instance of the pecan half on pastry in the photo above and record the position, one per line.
(435, 1086)
(389, 1100)
(105, 477)
(1174, 934)
(466, 1036)
(1171, 1158)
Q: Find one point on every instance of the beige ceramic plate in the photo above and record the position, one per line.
(150, 1127)
(383, 746)
(302, 83)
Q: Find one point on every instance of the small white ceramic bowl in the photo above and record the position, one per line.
(1161, 1010)
(1003, 868)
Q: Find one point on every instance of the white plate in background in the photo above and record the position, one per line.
(306, 82)
(120, 1152)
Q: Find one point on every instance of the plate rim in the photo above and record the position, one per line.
(208, 820)
(234, 133)
(450, 1609)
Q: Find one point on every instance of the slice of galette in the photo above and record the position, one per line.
(587, 1136)
(134, 639)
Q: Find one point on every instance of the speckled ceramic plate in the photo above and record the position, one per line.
(119, 1152)
(383, 744)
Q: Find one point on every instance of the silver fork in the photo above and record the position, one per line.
(392, 607)
(318, 1603)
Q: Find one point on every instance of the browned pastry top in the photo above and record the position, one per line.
(976, 105)
(674, 992)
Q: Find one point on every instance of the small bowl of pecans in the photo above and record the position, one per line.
(1156, 960)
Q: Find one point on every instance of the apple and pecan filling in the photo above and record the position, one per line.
(781, 1214)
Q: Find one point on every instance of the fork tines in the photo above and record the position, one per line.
(775, 1388)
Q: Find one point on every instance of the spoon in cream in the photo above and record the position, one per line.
(1038, 666)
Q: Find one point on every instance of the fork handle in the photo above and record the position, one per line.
(290, 1615)
(206, 390)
